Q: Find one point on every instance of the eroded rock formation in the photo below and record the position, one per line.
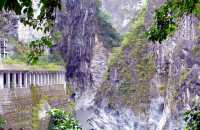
(77, 23)
(150, 85)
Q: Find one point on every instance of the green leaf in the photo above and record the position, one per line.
(2, 4)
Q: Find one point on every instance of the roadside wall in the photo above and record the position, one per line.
(26, 107)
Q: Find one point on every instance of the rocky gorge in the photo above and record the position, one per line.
(139, 85)
(119, 79)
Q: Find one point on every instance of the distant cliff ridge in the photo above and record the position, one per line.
(122, 12)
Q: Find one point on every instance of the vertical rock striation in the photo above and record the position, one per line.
(135, 96)
(170, 91)
(77, 22)
(177, 63)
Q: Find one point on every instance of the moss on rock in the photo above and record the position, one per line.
(135, 66)
(145, 68)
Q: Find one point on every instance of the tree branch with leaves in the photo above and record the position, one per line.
(44, 21)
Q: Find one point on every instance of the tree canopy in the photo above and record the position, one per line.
(61, 120)
(24, 8)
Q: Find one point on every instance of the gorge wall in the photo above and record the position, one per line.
(139, 86)
(77, 23)
(146, 85)
(157, 89)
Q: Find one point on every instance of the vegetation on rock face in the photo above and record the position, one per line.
(61, 120)
(183, 76)
(134, 66)
(135, 41)
(167, 16)
(145, 68)
(192, 118)
(196, 50)
(106, 31)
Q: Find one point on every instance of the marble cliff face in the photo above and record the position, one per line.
(77, 23)
(173, 85)
(115, 97)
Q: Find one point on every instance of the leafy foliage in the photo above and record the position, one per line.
(192, 118)
(37, 49)
(22, 51)
(24, 7)
(49, 62)
(61, 120)
(43, 21)
(166, 18)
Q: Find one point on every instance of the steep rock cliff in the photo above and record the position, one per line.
(178, 68)
(77, 23)
(147, 85)
(155, 83)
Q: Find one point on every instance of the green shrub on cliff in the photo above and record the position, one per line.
(167, 16)
(192, 118)
(45, 18)
(133, 66)
(136, 42)
(61, 120)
